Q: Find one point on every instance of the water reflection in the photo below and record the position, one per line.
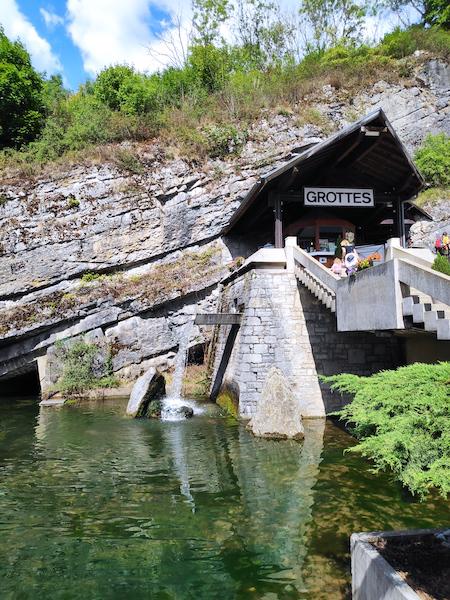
(94, 505)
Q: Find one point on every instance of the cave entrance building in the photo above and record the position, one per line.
(361, 180)
(283, 308)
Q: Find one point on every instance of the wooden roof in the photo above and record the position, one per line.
(367, 154)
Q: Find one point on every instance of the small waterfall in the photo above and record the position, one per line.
(181, 360)
(172, 403)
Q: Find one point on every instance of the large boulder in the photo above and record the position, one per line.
(146, 395)
(278, 413)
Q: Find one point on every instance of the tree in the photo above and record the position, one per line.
(432, 12)
(265, 36)
(437, 12)
(22, 106)
(334, 21)
(208, 17)
(109, 83)
(402, 421)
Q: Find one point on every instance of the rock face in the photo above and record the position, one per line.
(424, 233)
(120, 229)
(148, 389)
(278, 412)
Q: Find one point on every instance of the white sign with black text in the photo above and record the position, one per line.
(344, 197)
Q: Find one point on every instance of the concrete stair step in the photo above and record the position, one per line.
(418, 313)
(443, 329)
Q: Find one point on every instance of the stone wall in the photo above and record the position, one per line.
(283, 325)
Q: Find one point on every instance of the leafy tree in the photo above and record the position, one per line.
(22, 106)
(437, 12)
(433, 159)
(265, 37)
(109, 83)
(208, 17)
(432, 12)
(334, 21)
(402, 421)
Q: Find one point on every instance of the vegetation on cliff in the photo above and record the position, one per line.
(83, 368)
(204, 101)
(162, 283)
(402, 421)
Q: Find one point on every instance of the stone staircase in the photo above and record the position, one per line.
(419, 310)
(316, 287)
(424, 312)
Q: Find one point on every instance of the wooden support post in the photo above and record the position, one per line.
(278, 211)
(224, 362)
(399, 221)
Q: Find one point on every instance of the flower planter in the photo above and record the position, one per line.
(415, 565)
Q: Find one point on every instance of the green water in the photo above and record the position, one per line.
(94, 505)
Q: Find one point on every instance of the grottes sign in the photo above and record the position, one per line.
(343, 197)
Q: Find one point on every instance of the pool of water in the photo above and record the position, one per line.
(95, 505)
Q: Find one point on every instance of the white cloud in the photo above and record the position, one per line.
(111, 31)
(51, 19)
(16, 25)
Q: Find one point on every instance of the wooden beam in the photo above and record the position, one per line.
(224, 361)
(218, 319)
(288, 180)
(344, 155)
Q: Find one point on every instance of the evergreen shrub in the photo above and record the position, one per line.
(402, 421)
(441, 264)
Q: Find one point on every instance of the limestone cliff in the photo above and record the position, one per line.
(129, 249)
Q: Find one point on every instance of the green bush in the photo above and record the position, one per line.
(398, 44)
(224, 139)
(109, 83)
(79, 369)
(433, 159)
(404, 42)
(402, 421)
(441, 264)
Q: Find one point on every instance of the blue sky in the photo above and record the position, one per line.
(78, 38)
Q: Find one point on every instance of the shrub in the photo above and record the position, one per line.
(109, 83)
(224, 139)
(402, 421)
(128, 161)
(441, 264)
(399, 43)
(80, 371)
(433, 159)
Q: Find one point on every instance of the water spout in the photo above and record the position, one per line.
(173, 403)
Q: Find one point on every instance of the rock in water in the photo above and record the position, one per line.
(177, 412)
(146, 394)
(278, 413)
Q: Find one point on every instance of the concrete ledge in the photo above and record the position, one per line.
(372, 576)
